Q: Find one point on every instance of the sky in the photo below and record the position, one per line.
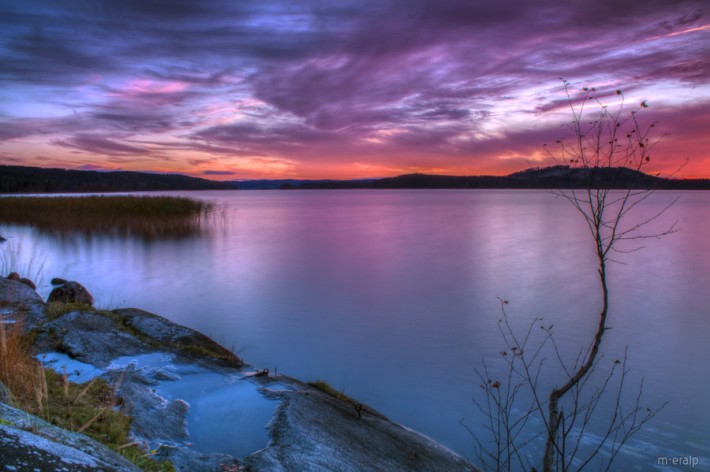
(230, 90)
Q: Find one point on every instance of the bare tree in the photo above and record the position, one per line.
(608, 149)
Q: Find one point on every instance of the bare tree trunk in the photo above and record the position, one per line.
(554, 413)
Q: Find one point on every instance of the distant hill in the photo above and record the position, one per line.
(536, 178)
(18, 179)
(284, 184)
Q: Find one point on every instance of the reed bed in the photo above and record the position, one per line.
(144, 216)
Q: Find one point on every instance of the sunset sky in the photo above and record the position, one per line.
(229, 89)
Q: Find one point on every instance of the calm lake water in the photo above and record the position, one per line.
(392, 296)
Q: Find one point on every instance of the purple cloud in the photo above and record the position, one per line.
(405, 82)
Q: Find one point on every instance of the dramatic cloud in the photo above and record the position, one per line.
(338, 89)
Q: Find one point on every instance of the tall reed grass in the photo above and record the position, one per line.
(145, 216)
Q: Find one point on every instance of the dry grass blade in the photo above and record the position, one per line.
(83, 391)
(91, 421)
(18, 369)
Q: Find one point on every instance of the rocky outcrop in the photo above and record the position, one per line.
(169, 334)
(314, 431)
(146, 357)
(70, 292)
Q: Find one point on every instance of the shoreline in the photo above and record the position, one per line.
(309, 429)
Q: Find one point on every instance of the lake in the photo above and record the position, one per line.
(393, 296)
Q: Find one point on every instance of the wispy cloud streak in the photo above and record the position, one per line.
(335, 89)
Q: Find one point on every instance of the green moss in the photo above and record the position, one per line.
(202, 351)
(56, 309)
(144, 460)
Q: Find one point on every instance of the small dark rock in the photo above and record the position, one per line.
(58, 281)
(2, 240)
(14, 276)
(28, 282)
(71, 292)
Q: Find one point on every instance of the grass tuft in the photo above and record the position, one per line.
(55, 310)
(327, 388)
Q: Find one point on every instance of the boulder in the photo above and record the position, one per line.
(70, 292)
(13, 276)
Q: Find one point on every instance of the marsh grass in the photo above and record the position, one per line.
(92, 408)
(144, 216)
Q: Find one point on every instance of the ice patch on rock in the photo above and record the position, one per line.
(77, 371)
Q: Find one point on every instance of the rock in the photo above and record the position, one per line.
(158, 418)
(90, 337)
(2, 240)
(58, 281)
(29, 443)
(71, 292)
(13, 276)
(28, 282)
(168, 333)
(312, 430)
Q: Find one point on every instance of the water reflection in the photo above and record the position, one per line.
(392, 295)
